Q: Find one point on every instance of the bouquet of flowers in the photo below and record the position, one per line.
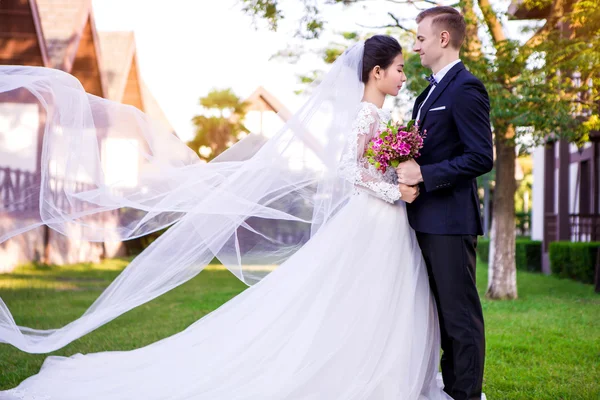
(395, 144)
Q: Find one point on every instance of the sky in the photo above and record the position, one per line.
(186, 48)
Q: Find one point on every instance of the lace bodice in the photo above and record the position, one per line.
(355, 168)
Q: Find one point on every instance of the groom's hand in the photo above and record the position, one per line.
(409, 173)
(408, 193)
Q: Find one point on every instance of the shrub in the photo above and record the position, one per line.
(137, 245)
(528, 253)
(575, 261)
(483, 249)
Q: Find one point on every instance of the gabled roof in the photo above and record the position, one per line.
(63, 22)
(153, 109)
(72, 41)
(21, 35)
(62, 34)
(117, 49)
(124, 83)
(262, 100)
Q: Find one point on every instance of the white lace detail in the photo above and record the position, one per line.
(364, 120)
(23, 395)
(355, 168)
(384, 115)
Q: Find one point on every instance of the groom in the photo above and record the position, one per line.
(455, 112)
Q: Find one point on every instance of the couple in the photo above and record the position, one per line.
(361, 310)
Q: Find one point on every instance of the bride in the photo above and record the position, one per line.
(348, 314)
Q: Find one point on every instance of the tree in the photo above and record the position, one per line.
(223, 125)
(531, 85)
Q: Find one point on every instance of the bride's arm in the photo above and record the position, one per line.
(355, 168)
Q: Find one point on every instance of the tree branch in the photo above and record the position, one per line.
(396, 24)
(432, 2)
(415, 3)
(472, 41)
(556, 12)
(492, 22)
(387, 26)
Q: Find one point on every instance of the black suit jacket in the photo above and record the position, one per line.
(457, 149)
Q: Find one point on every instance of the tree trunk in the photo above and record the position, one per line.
(502, 281)
(472, 45)
(46, 246)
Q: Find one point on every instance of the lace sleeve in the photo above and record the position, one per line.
(355, 168)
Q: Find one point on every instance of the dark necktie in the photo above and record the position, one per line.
(431, 79)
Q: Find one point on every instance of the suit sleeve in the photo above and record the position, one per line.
(471, 114)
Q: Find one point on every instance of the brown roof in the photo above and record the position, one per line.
(21, 36)
(117, 50)
(153, 109)
(62, 23)
(262, 100)
(119, 59)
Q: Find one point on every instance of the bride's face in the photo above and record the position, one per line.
(392, 79)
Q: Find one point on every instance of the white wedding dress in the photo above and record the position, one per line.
(349, 316)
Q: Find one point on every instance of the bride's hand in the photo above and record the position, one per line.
(408, 193)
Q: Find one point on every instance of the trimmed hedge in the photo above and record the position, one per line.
(528, 253)
(483, 249)
(575, 261)
(136, 246)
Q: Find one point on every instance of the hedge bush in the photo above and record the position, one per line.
(575, 261)
(136, 246)
(483, 249)
(528, 253)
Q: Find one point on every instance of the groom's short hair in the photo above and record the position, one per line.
(448, 19)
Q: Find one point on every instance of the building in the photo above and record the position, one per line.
(58, 34)
(566, 202)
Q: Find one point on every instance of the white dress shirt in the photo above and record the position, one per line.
(438, 77)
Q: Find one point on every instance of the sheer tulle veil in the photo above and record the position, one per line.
(257, 203)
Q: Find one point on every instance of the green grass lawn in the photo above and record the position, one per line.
(545, 345)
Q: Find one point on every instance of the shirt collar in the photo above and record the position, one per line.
(441, 73)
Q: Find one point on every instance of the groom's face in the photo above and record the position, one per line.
(428, 43)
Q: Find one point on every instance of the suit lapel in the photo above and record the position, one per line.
(439, 89)
(420, 100)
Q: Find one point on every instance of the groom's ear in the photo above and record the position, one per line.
(444, 39)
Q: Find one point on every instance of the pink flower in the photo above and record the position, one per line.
(400, 146)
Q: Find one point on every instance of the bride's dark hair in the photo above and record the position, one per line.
(379, 50)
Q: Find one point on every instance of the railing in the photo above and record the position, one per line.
(523, 224)
(550, 229)
(62, 202)
(584, 227)
(19, 191)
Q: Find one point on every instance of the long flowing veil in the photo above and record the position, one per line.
(100, 161)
